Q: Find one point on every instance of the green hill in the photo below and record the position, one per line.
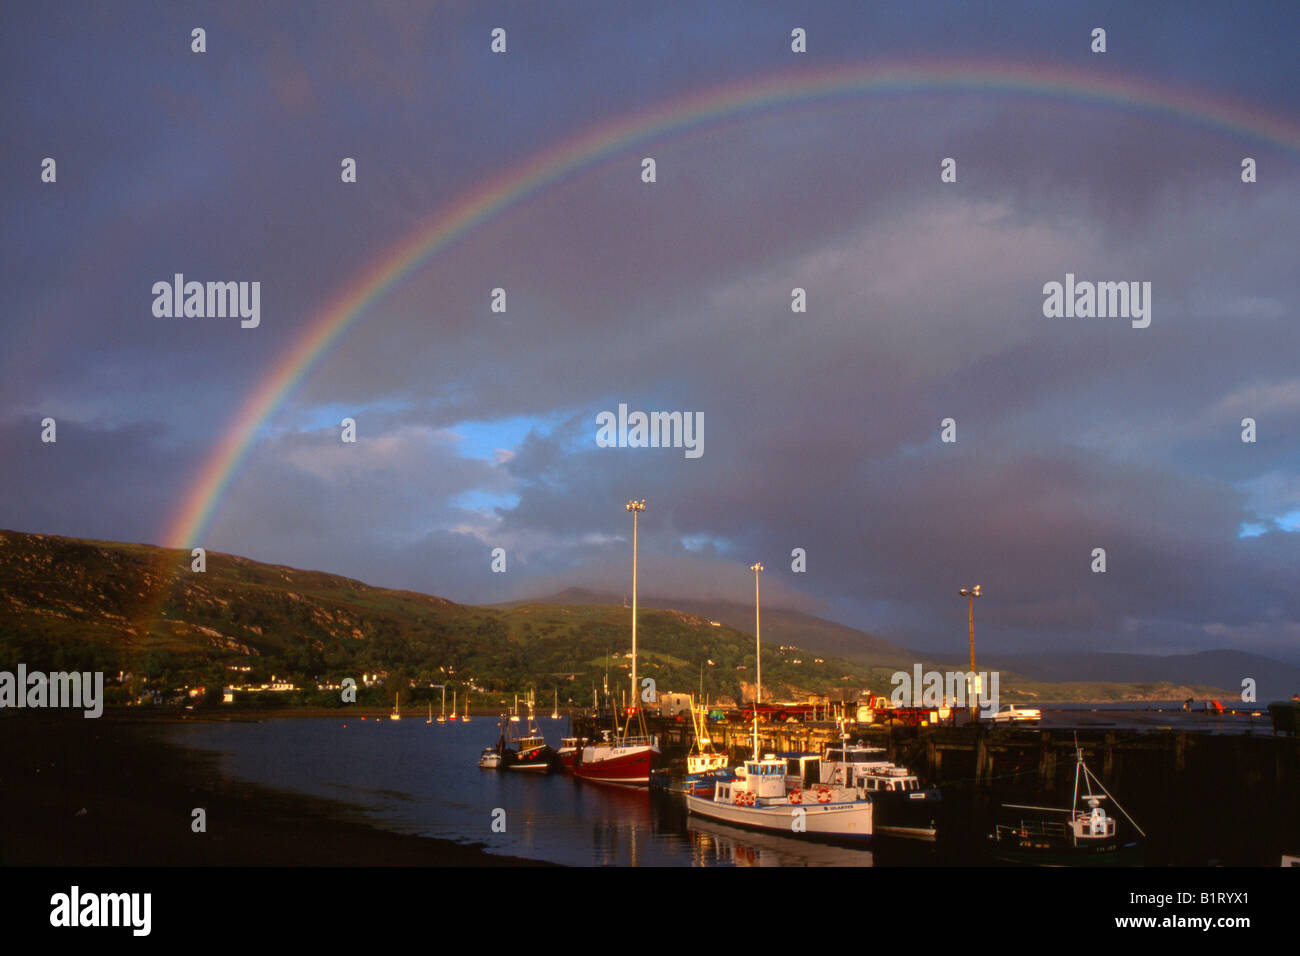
(68, 603)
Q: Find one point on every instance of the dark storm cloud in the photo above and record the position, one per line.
(821, 430)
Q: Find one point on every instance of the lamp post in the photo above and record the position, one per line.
(972, 692)
(636, 507)
(758, 656)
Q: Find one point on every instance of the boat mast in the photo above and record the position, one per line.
(758, 656)
(636, 507)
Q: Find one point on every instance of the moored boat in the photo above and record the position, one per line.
(1081, 835)
(531, 752)
(904, 808)
(621, 757)
(759, 798)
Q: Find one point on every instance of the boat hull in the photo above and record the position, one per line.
(536, 760)
(837, 821)
(907, 814)
(1112, 854)
(617, 766)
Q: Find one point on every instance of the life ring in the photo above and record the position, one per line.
(796, 796)
(749, 798)
(823, 796)
(740, 798)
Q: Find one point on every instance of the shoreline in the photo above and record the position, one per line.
(110, 792)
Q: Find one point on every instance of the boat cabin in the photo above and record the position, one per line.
(756, 780)
(1093, 825)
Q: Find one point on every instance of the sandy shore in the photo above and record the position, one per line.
(112, 792)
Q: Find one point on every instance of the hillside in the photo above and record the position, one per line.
(68, 603)
(780, 626)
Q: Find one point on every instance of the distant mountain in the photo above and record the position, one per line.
(780, 625)
(73, 604)
(1224, 668)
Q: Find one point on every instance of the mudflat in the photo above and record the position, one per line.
(113, 792)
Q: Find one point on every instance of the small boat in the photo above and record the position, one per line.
(514, 713)
(397, 711)
(903, 807)
(442, 716)
(500, 755)
(453, 706)
(531, 752)
(555, 711)
(1087, 836)
(430, 720)
(464, 718)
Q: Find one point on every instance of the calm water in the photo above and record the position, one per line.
(416, 778)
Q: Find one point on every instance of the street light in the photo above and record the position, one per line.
(636, 507)
(758, 655)
(972, 692)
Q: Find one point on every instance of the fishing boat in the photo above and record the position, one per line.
(759, 798)
(499, 755)
(623, 756)
(1084, 836)
(704, 765)
(904, 808)
(397, 711)
(531, 751)
(764, 795)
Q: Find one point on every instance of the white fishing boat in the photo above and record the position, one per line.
(761, 797)
(904, 808)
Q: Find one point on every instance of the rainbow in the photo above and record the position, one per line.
(734, 100)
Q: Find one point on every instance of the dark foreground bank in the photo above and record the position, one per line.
(111, 792)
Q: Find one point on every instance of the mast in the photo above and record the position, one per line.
(636, 507)
(758, 656)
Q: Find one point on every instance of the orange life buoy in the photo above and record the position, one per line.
(823, 796)
(740, 798)
(749, 798)
(796, 796)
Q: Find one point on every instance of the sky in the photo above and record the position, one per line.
(477, 429)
